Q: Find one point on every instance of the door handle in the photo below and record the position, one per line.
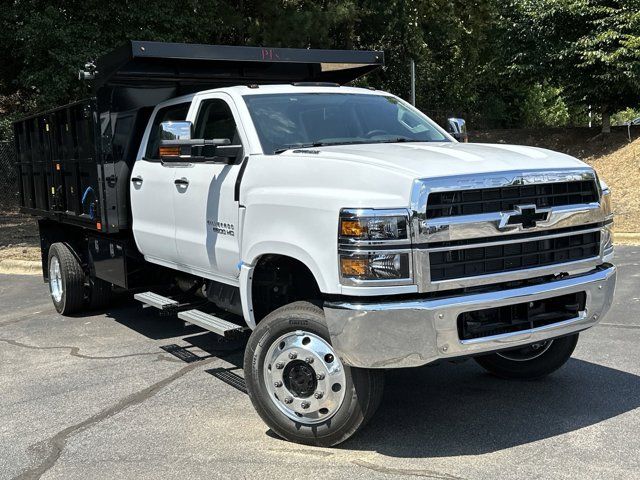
(182, 182)
(136, 179)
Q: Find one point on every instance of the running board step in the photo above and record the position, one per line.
(155, 300)
(210, 322)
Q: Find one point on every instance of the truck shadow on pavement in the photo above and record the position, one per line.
(442, 410)
(451, 410)
(194, 343)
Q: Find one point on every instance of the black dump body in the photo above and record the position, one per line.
(74, 162)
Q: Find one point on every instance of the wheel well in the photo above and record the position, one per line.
(279, 280)
(52, 232)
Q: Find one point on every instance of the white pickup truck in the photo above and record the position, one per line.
(340, 226)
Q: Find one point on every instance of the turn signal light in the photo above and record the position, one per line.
(169, 151)
(354, 267)
(352, 228)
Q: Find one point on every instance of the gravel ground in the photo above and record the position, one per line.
(99, 396)
(19, 238)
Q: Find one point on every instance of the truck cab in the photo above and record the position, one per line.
(338, 228)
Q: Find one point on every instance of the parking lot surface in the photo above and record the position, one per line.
(129, 394)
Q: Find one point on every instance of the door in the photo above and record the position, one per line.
(152, 189)
(205, 209)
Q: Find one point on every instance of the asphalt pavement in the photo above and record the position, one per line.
(129, 394)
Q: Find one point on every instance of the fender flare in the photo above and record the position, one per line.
(247, 268)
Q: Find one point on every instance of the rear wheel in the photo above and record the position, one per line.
(299, 386)
(532, 361)
(66, 279)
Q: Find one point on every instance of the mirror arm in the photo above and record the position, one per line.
(195, 142)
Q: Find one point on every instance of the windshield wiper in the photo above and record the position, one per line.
(354, 142)
(278, 151)
(399, 140)
(315, 144)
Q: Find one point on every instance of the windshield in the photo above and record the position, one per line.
(294, 120)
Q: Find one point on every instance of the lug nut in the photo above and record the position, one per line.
(318, 395)
(309, 359)
(321, 376)
(293, 355)
(280, 365)
(288, 400)
(305, 405)
(277, 384)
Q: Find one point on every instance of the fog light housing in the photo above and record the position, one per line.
(375, 266)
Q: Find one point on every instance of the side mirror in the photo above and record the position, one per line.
(176, 145)
(230, 152)
(457, 127)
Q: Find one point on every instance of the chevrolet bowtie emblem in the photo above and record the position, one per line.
(527, 216)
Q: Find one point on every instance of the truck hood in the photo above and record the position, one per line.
(446, 159)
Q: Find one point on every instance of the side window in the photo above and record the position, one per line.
(166, 114)
(215, 120)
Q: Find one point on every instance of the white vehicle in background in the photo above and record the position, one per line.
(340, 226)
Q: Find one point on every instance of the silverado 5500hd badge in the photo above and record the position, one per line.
(221, 227)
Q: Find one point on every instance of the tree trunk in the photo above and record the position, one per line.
(606, 121)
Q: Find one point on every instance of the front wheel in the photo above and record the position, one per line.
(532, 361)
(299, 386)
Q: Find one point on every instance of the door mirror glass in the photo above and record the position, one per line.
(457, 127)
(175, 130)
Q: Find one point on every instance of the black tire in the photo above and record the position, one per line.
(100, 294)
(363, 389)
(550, 360)
(72, 277)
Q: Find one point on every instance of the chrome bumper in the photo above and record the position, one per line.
(416, 332)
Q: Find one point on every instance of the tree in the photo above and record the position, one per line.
(589, 48)
(481, 58)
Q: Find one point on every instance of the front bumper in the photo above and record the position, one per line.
(411, 333)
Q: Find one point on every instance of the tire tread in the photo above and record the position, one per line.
(73, 278)
(368, 393)
(550, 361)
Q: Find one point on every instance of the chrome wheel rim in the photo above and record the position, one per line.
(304, 377)
(55, 279)
(529, 352)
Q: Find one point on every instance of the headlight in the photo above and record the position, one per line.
(375, 266)
(606, 235)
(361, 234)
(373, 225)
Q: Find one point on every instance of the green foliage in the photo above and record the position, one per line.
(498, 63)
(624, 116)
(545, 107)
(589, 47)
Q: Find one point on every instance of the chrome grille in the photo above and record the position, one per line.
(489, 200)
(467, 232)
(506, 257)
